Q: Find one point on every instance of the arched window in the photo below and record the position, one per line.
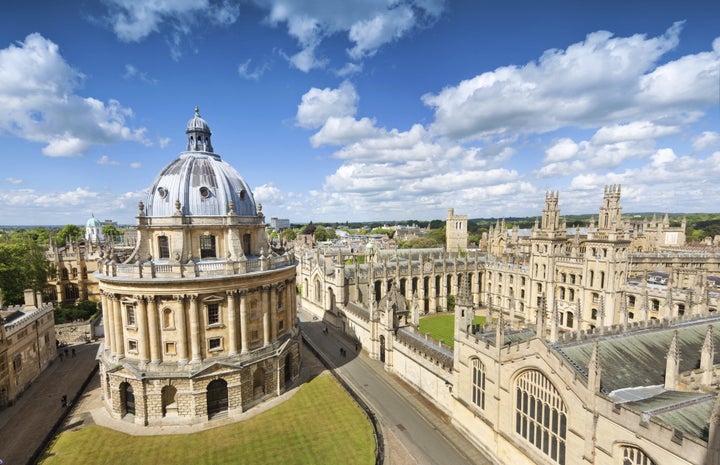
(634, 456)
(540, 414)
(478, 383)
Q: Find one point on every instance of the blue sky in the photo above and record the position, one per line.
(363, 110)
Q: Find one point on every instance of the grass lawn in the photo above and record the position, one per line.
(442, 326)
(320, 424)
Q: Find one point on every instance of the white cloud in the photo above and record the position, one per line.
(255, 74)
(343, 130)
(603, 80)
(369, 24)
(563, 149)
(349, 69)
(164, 141)
(105, 160)
(37, 88)
(13, 181)
(708, 140)
(135, 165)
(317, 105)
(131, 72)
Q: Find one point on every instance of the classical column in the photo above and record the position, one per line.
(154, 331)
(107, 318)
(181, 331)
(142, 326)
(119, 343)
(266, 314)
(232, 323)
(194, 329)
(243, 322)
(273, 312)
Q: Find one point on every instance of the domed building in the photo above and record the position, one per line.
(93, 230)
(200, 319)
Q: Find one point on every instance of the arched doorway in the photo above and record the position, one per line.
(288, 370)
(382, 349)
(569, 319)
(127, 398)
(169, 401)
(217, 398)
(258, 383)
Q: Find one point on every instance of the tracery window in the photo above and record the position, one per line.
(634, 456)
(541, 414)
(478, 383)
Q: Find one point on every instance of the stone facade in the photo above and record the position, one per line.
(27, 345)
(200, 319)
(586, 358)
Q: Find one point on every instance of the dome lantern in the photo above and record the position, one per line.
(198, 134)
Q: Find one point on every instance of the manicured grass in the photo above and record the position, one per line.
(442, 326)
(320, 424)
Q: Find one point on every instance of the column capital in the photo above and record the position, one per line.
(231, 292)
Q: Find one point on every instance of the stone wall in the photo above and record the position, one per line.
(78, 332)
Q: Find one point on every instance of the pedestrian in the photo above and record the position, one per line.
(63, 401)
(356, 347)
(66, 352)
(61, 356)
(73, 352)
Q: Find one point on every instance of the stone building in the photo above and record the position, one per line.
(200, 319)
(587, 356)
(27, 344)
(456, 232)
(71, 277)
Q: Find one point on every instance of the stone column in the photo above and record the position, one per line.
(232, 323)
(154, 331)
(266, 314)
(194, 329)
(118, 342)
(142, 326)
(243, 322)
(107, 318)
(181, 331)
(273, 312)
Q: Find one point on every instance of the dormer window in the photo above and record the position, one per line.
(162, 192)
(204, 192)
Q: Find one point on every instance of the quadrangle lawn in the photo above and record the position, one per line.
(442, 326)
(320, 424)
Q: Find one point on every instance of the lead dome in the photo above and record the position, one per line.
(199, 182)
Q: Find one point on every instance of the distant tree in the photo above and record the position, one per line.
(288, 234)
(69, 230)
(388, 232)
(438, 235)
(109, 231)
(324, 234)
(437, 224)
(419, 243)
(309, 229)
(22, 266)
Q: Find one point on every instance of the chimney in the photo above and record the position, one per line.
(30, 303)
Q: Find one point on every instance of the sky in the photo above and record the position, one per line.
(363, 110)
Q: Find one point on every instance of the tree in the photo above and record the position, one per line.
(288, 234)
(69, 230)
(22, 266)
(419, 243)
(109, 231)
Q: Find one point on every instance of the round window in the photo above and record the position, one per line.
(162, 192)
(204, 192)
(242, 194)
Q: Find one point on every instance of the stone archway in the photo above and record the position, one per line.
(258, 383)
(217, 398)
(169, 401)
(288, 370)
(127, 399)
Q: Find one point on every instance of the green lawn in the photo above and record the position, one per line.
(320, 424)
(442, 326)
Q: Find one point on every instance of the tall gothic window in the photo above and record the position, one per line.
(478, 383)
(207, 247)
(163, 247)
(634, 456)
(541, 415)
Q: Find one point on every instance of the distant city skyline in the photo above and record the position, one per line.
(363, 110)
